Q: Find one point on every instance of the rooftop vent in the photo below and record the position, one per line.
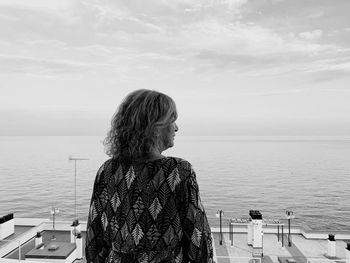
(255, 214)
(53, 247)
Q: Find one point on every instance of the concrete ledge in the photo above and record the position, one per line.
(8, 260)
(307, 232)
(30, 221)
(25, 237)
(7, 228)
(62, 251)
(39, 225)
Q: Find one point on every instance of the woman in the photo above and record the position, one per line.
(145, 207)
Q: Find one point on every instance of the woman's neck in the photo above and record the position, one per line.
(150, 156)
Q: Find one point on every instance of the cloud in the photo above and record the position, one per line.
(162, 8)
(316, 14)
(22, 23)
(174, 36)
(33, 65)
(339, 64)
(250, 48)
(244, 38)
(39, 4)
(315, 34)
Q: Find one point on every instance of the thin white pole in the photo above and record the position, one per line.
(19, 250)
(75, 182)
(75, 189)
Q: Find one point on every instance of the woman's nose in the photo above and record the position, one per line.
(176, 127)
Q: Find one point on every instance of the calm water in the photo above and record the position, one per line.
(309, 175)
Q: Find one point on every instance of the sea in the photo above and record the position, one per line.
(273, 174)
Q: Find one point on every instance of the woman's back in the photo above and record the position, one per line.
(147, 211)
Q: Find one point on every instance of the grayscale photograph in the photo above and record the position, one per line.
(179, 131)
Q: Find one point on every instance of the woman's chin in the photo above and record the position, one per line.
(169, 145)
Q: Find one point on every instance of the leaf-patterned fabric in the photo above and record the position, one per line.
(147, 212)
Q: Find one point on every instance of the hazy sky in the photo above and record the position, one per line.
(238, 67)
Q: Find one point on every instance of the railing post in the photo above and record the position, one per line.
(229, 229)
(219, 214)
(220, 227)
(19, 250)
(289, 241)
(231, 233)
(289, 215)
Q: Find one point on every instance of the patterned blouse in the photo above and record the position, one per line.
(147, 212)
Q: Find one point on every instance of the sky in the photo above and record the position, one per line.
(233, 67)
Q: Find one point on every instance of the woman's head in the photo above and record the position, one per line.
(144, 122)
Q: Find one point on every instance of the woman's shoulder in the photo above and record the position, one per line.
(107, 164)
(180, 163)
(171, 162)
(104, 169)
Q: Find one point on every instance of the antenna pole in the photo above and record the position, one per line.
(75, 189)
(75, 159)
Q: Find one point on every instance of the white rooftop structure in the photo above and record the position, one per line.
(307, 246)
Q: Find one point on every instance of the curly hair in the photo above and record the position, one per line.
(136, 123)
